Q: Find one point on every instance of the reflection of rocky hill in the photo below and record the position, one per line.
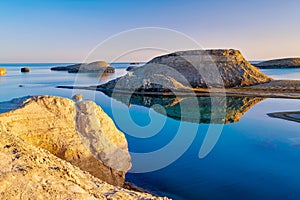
(195, 109)
(291, 116)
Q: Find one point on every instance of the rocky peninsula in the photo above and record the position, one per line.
(52, 147)
(280, 63)
(94, 67)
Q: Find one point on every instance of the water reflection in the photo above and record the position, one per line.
(226, 109)
(290, 116)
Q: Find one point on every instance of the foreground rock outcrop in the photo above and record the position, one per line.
(29, 172)
(48, 122)
(186, 70)
(280, 63)
(94, 67)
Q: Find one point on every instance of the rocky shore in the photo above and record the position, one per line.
(45, 153)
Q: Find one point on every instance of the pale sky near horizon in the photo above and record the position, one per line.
(67, 30)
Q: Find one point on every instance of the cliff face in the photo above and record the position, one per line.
(192, 69)
(280, 63)
(48, 122)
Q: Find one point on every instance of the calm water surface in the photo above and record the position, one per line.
(257, 157)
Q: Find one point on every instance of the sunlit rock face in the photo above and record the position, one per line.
(49, 122)
(280, 63)
(100, 135)
(191, 69)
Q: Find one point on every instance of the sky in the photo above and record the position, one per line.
(69, 30)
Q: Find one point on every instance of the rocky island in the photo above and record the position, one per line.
(193, 69)
(45, 153)
(199, 72)
(94, 67)
(280, 63)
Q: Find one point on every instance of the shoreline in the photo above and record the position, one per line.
(273, 89)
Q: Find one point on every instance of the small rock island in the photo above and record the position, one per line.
(280, 63)
(94, 67)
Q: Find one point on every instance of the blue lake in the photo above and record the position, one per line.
(255, 157)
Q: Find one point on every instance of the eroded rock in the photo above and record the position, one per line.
(48, 122)
(29, 172)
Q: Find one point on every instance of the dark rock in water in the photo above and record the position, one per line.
(25, 69)
(187, 70)
(134, 63)
(280, 63)
(130, 68)
(2, 71)
(94, 67)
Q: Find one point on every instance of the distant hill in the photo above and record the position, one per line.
(279, 63)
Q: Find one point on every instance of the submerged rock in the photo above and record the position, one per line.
(186, 70)
(25, 69)
(2, 71)
(94, 67)
(48, 122)
(280, 63)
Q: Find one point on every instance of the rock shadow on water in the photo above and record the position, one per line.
(207, 109)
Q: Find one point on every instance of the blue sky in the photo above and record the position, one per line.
(67, 30)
